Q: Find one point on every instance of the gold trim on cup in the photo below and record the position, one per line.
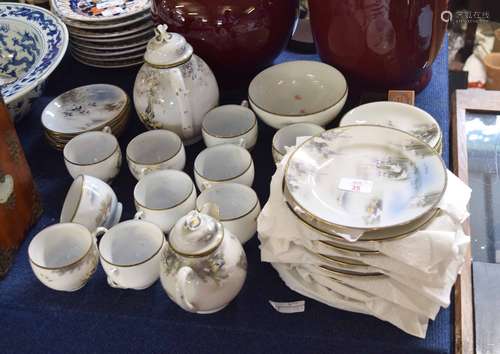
(228, 178)
(141, 262)
(79, 198)
(72, 263)
(254, 123)
(154, 163)
(162, 209)
(235, 218)
(294, 203)
(97, 162)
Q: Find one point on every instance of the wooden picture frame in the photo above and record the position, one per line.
(477, 100)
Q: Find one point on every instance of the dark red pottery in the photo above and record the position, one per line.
(380, 43)
(237, 38)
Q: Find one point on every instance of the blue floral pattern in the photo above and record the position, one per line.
(40, 48)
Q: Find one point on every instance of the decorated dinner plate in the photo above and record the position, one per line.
(84, 108)
(99, 10)
(118, 64)
(120, 23)
(112, 33)
(363, 177)
(113, 47)
(397, 115)
(108, 53)
(139, 36)
(120, 58)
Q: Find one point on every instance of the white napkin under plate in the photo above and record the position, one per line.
(410, 322)
(421, 268)
(421, 250)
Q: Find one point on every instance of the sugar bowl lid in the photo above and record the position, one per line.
(167, 49)
(198, 233)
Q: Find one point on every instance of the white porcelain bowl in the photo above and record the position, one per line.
(298, 92)
(39, 40)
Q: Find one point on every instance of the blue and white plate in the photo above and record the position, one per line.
(33, 42)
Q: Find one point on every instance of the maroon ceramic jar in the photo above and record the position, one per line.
(237, 38)
(380, 43)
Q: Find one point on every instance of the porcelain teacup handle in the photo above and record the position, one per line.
(107, 129)
(145, 171)
(242, 142)
(139, 215)
(98, 233)
(244, 103)
(111, 282)
(206, 185)
(181, 280)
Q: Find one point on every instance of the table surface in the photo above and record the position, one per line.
(98, 318)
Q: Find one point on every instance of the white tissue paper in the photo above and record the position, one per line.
(419, 269)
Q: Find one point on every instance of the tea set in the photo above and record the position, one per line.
(192, 243)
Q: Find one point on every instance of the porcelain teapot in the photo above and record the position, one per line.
(174, 88)
(204, 266)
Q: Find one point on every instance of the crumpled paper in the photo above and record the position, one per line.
(420, 268)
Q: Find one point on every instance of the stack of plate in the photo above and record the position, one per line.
(401, 116)
(106, 33)
(361, 208)
(84, 109)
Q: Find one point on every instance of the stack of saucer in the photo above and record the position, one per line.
(366, 218)
(106, 33)
(83, 109)
(401, 116)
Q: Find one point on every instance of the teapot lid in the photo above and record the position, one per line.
(167, 49)
(198, 233)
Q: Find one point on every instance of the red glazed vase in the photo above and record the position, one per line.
(380, 43)
(237, 38)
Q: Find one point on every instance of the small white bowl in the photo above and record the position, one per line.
(130, 254)
(287, 137)
(155, 150)
(94, 154)
(298, 92)
(230, 124)
(163, 197)
(64, 256)
(238, 206)
(223, 163)
(92, 203)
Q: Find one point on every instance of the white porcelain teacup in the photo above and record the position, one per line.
(238, 206)
(163, 197)
(155, 150)
(287, 137)
(223, 163)
(230, 124)
(92, 203)
(64, 256)
(95, 154)
(130, 254)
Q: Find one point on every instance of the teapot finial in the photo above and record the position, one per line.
(161, 34)
(192, 221)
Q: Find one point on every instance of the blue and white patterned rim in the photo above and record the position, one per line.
(55, 37)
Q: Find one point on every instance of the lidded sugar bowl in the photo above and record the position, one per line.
(174, 88)
(204, 266)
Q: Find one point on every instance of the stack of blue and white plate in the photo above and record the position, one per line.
(106, 33)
